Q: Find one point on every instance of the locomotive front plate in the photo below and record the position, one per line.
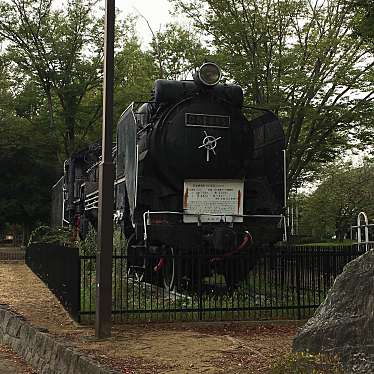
(213, 200)
(207, 120)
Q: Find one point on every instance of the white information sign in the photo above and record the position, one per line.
(222, 198)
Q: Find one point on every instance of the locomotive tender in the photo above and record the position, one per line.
(193, 175)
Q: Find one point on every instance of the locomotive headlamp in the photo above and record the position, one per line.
(209, 74)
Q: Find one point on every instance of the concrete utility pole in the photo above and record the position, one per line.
(103, 321)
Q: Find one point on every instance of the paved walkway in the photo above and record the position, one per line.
(10, 363)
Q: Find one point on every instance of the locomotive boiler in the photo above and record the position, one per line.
(194, 175)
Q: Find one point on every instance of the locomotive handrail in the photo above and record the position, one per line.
(95, 165)
(91, 195)
(148, 213)
(91, 201)
(56, 184)
(257, 108)
(120, 180)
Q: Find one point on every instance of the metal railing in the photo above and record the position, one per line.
(58, 267)
(286, 282)
(267, 283)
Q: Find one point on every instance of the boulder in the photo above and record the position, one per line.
(343, 325)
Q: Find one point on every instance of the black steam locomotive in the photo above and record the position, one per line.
(193, 175)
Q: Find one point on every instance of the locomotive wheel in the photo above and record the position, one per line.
(169, 271)
(140, 266)
(137, 272)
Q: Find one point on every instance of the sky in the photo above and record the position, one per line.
(155, 11)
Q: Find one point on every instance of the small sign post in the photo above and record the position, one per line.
(103, 320)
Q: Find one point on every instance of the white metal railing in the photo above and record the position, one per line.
(365, 226)
(92, 201)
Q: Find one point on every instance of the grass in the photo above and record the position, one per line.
(268, 292)
(344, 243)
(256, 298)
(307, 363)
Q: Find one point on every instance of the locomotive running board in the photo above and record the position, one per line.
(147, 214)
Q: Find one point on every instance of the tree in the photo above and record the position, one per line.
(177, 52)
(27, 158)
(61, 50)
(304, 61)
(135, 70)
(364, 18)
(333, 207)
(51, 91)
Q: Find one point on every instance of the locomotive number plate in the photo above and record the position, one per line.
(207, 120)
(213, 200)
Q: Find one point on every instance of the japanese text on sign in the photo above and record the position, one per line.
(223, 198)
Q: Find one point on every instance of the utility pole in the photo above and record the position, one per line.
(103, 321)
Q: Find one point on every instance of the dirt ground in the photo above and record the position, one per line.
(12, 363)
(151, 348)
(224, 348)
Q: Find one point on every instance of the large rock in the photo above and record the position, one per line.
(344, 323)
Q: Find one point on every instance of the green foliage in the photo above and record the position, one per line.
(135, 70)
(119, 242)
(49, 235)
(27, 157)
(50, 47)
(307, 363)
(177, 52)
(303, 60)
(51, 90)
(60, 52)
(330, 244)
(87, 247)
(364, 19)
(333, 207)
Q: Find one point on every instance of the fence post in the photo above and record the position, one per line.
(79, 288)
(298, 285)
(198, 254)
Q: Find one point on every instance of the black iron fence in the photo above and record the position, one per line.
(11, 254)
(272, 283)
(11, 238)
(59, 268)
(267, 283)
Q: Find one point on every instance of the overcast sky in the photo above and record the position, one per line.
(155, 11)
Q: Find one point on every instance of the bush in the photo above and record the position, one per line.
(87, 247)
(51, 235)
(119, 242)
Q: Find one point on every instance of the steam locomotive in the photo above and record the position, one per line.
(193, 175)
